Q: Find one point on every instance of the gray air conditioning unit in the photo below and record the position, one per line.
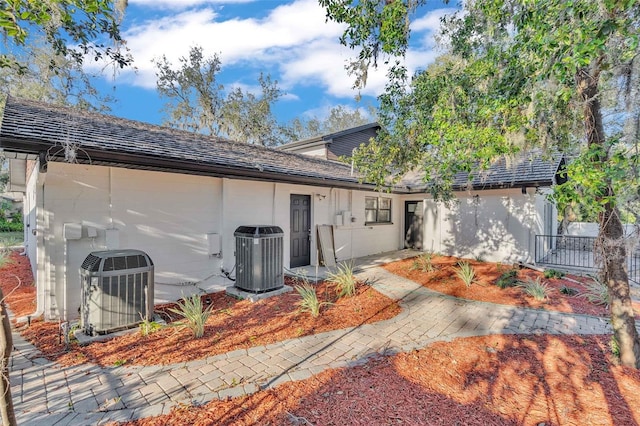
(117, 290)
(259, 257)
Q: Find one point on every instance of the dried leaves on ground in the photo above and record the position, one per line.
(489, 380)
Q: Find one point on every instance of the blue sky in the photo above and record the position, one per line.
(289, 40)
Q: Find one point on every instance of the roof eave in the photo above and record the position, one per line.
(150, 162)
(477, 187)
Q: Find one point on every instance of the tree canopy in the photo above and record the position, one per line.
(339, 118)
(64, 83)
(72, 28)
(196, 101)
(557, 75)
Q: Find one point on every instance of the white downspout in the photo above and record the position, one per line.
(273, 205)
(38, 228)
(221, 225)
(65, 317)
(351, 228)
(111, 226)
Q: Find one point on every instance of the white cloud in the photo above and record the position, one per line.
(181, 4)
(429, 26)
(293, 42)
(252, 41)
(431, 21)
(319, 63)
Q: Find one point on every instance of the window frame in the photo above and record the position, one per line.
(377, 209)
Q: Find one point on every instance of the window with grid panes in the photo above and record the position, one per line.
(377, 210)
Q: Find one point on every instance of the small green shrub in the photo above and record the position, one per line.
(13, 225)
(119, 362)
(569, 291)
(508, 279)
(596, 292)
(552, 273)
(424, 262)
(148, 327)
(535, 288)
(309, 302)
(466, 273)
(343, 279)
(193, 313)
(615, 347)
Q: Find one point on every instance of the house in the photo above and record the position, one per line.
(334, 145)
(497, 214)
(95, 182)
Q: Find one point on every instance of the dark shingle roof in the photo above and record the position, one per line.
(33, 127)
(530, 168)
(39, 129)
(328, 138)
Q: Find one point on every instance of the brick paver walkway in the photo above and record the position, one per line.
(46, 393)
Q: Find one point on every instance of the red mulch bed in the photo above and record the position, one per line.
(16, 281)
(490, 380)
(444, 280)
(234, 324)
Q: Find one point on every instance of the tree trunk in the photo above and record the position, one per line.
(6, 344)
(614, 272)
(610, 242)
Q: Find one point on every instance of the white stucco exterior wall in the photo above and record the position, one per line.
(355, 238)
(493, 225)
(165, 215)
(267, 203)
(31, 219)
(169, 216)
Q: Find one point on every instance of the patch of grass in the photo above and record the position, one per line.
(193, 313)
(507, 279)
(309, 302)
(596, 292)
(343, 279)
(466, 273)
(4, 258)
(8, 239)
(535, 288)
(120, 363)
(552, 273)
(424, 262)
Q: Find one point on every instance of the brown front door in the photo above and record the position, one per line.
(300, 230)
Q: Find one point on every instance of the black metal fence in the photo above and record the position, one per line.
(576, 252)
